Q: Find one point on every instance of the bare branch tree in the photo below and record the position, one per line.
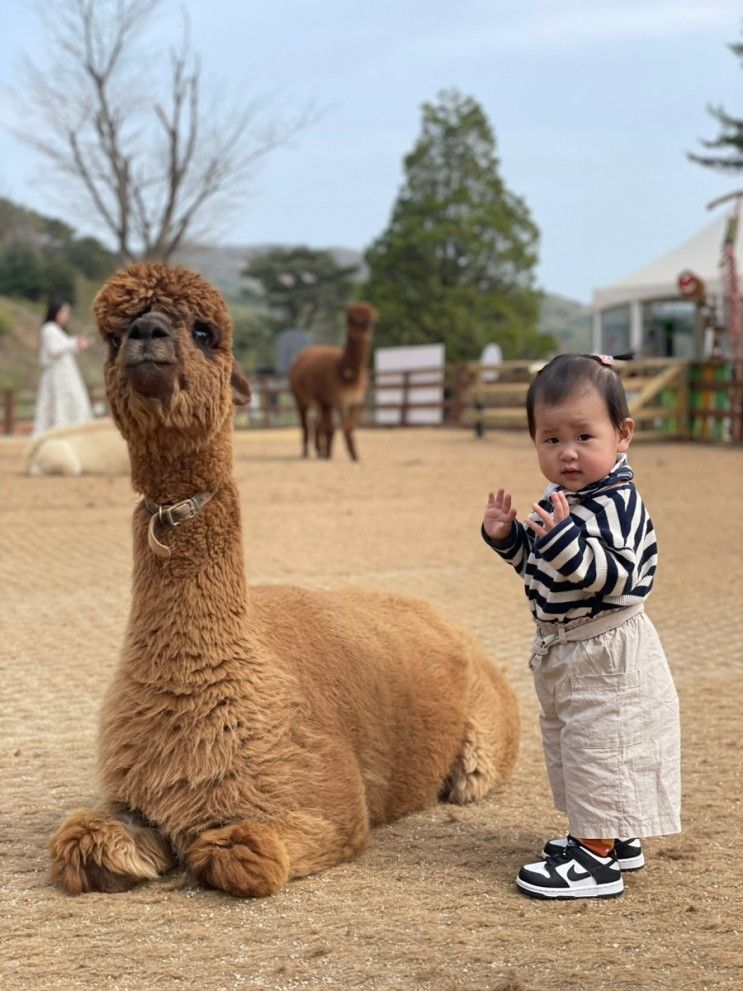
(144, 168)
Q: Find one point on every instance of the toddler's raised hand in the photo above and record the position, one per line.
(548, 521)
(499, 515)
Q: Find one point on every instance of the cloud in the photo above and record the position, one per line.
(540, 25)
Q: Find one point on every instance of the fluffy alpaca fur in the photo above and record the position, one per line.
(256, 734)
(92, 448)
(327, 379)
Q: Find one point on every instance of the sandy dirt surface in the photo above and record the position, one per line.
(431, 904)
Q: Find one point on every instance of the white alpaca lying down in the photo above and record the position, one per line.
(92, 448)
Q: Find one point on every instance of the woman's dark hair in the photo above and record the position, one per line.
(55, 305)
(569, 373)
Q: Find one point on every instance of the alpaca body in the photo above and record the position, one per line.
(253, 734)
(324, 379)
(317, 373)
(94, 447)
(279, 702)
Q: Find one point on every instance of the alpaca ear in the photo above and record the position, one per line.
(240, 387)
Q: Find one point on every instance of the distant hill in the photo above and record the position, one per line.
(565, 319)
(223, 265)
(568, 321)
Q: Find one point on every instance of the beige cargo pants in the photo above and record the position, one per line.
(610, 724)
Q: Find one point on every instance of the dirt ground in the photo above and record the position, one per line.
(431, 904)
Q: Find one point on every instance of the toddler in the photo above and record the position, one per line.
(609, 709)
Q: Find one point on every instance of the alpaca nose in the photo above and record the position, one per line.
(149, 327)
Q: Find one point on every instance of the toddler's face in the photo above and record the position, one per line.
(576, 442)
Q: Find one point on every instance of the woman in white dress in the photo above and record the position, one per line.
(62, 397)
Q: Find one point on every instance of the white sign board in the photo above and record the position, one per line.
(425, 383)
(491, 355)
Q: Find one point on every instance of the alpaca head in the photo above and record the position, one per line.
(170, 374)
(360, 320)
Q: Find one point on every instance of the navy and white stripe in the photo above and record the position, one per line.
(603, 556)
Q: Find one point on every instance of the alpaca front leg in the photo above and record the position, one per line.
(324, 430)
(255, 859)
(109, 850)
(350, 422)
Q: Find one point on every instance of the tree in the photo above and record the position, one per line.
(90, 257)
(252, 336)
(32, 274)
(21, 272)
(729, 142)
(303, 287)
(143, 167)
(456, 262)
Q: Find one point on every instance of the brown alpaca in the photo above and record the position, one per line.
(329, 379)
(254, 735)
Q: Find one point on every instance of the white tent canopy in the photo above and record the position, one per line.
(701, 254)
(644, 312)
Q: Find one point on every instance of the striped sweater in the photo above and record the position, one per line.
(603, 556)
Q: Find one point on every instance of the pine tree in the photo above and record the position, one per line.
(729, 142)
(456, 262)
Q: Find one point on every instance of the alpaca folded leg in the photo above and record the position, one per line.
(475, 770)
(107, 850)
(490, 741)
(255, 859)
(246, 859)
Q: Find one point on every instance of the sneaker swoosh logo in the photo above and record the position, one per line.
(573, 875)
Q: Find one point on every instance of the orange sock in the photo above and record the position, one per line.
(601, 847)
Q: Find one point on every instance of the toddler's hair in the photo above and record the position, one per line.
(570, 373)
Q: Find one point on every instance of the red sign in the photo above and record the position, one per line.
(690, 286)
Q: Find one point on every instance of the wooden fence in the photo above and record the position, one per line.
(667, 398)
(395, 397)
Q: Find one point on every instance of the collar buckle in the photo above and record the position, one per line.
(179, 512)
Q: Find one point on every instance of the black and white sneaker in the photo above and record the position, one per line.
(629, 851)
(575, 872)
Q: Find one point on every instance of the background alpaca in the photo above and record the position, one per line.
(91, 448)
(257, 734)
(326, 378)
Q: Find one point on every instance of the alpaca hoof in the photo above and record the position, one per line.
(98, 853)
(247, 860)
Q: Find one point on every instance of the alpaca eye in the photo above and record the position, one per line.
(115, 342)
(203, 335)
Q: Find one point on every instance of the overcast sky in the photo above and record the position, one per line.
(593, 103)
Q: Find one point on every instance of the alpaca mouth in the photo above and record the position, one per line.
(153, 362)
(151, 377)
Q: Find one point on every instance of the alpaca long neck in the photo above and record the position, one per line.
(190, 609)
(354, 358)
(171, 472)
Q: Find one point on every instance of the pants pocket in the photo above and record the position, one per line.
(602, 710)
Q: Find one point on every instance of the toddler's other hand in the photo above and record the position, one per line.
(499, 515)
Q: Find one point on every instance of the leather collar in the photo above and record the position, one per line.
(172, 516)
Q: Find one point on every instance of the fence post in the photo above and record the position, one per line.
(683, 399)
(265, 411)
(462, 379)
(405, 399)
(736, 402)
(479, 403)
(9, 411)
